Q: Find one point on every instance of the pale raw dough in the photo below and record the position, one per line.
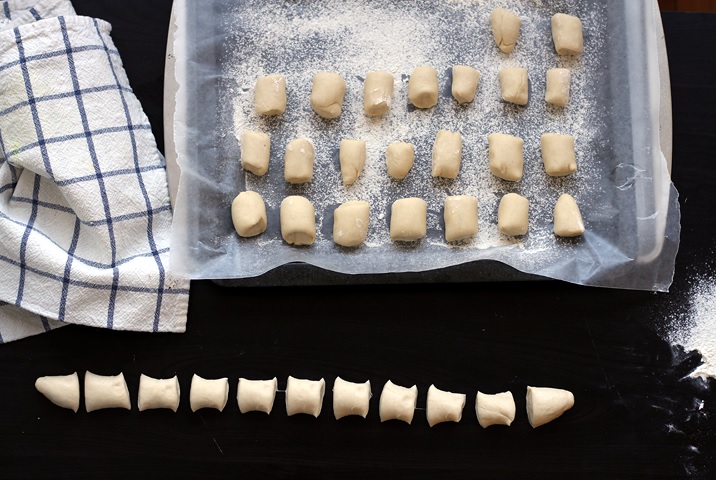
(506, 156)
(208, 393)
(304, 396)
(567, 217)
(350, 398)
(298, 161)
(398, 403)
(558, 82)
(248, 213)
(505, 28)
(423, 87)
(350, 223)
(327, 94)
(62, 390)
(460, 217)
(447, 153)
(408, 219)
(256, 395)
(270, 95)
(106, 392)
(444, 406)
(255, 152)
(158, 393)
(399, 159)
(567, 34)
(298, 221)
(464, 83)
(545, 404)
(497, 409)
(514, 85)
(377, 93)
(558, 154)
(352, 159)
(513, 215)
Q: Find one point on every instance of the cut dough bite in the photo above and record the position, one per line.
(506, 156)
(270, 95)
(350, 398)
(567, 34)
(327, 94)
(408, 219)
(558, 154)
(399, 159)
(460, 217)
(505, 28)
(106, 392)
(256, 395)
(248, 213)
(497, 409)
(398, 403)
(444, 406)
(513, 215)
(304, 396)
(567, 217)
(62, 390)
(514, 85)
(377, 93)
(298, 221)
(447, 153)
(208, 393)
(464, 83)
(350, 223)
(255, 152)
(423, 87)
(558, 83)
(158, 393)
(352, 159)
(298, 161)
(545, 404)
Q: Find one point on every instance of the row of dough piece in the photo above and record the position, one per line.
(505, 154)
(408, 220)
(303, 396)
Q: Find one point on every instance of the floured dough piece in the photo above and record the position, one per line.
(567, 217)
(444, 406)
(447, 153)
(206, 393)
(377, 93)
(408, 219)
(255, 152)
(567, 34)
(62, 390)
(497, 409)
(545, 404)
(506, 156)
(157, 393)
(350, 223)
(350, 398)
(464, 83)
(460, 217)
(298, 221)
(514, 85)
(423, 87)
(106, 392)
(270, 95)
(298, 161)
(505, 28)
(399, 159)
(304, 396)
(513, 215)
(398, 403)
(352, 159)
(558, 154)
(256, 395)
(558, 85)
(248, 213)
(327, 94)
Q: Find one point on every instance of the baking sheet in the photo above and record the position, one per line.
(623, 187)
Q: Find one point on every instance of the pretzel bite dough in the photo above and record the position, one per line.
(399, 159)
(298, 161)
(408, 219)
(460, 217)
(514, 85)
(567, 217)
(447, 152)
(304, 396)
(558, 81)
(505, 28)
(270, 95)
(327, 94)
(444, 406)
(506, 156)
(567, 34)
(513, 215)
(106, 392)
(256, 395)
(352, 159)
(298, 221)
(464, 83)
(350, 223)
(350, 398)
(398, 403)
(545, 404)
(158, 393)
(558, 154)
(423, 87)
(208, 393)
(62, 390)
(497, 409)
(248, 213)
(255, 152)
(377, 93)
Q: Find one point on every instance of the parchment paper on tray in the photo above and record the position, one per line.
(622, 183)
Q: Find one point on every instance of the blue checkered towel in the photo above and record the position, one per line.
(84, 209)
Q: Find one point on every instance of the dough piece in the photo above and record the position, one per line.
(350, 223)
(506, 156)
(558, 154)
(248, 212)
(464, 83)
(514, 85)
(558, 80)
(208, 393)
(377, 93)
(304, 396)
(460, 217)
(513, 215)
(350, 398)
(399, 158)
(62, 390)
(545, 404)
(505, 28)
(444, 406)
(423, 87)
(158, 393)
(408, 219)
(567, 217)
(567, 34)
(447, 152)
(298, 161)
(255, 152)
(352, 158)
(497, 409)
(298, 221)
(106, 392)
(270, 95)
(327, 94)
(256, 395)
(398, 403)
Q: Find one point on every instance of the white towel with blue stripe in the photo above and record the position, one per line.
(84, 208)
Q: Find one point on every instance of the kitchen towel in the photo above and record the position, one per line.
(84, 208)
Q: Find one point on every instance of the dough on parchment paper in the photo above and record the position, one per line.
(514, 85)
(255, 152)
(408, 219)
(62, 390)
(270, 95)
(423, 87)
(558, 154)
(545, 404)
(567, 34)
(304, 396)
(350, 398)
(567, 217)
(377, 93)
(352, 159)
(444, 406)
(327, 94)
(248, 213)
(256, 395)
(106, 392)
(506, 156)
(157, 393)
(398, 403)
(513, 215)
(298, 161)
(460, 217)
(465, 81)
(205, 393)
(298, 221)
(447, 153)
(350, 223)
(505, 28)
(558, 86)
(497, 409)
(399, 159)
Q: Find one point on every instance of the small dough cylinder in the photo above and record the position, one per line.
(208, 393)
(505, 28)
(398, 403)
(460, 217)
(447, 153)
(567, 217)
(352, 159)
(350, 398)
(558, 154)
(513, 215)
(106, 392)
(558, 82)
(423, 87)
(298, 221)
(62, 390)
(377, 93)
(506, 156)
(327, 94)
(158, 393)
(298, 161)
(270, 95)
(256, 395)
(408, 219)
(567, 34)
(545, 404)
(248, 213)
(514, 85)
(399, 159)
(464, 83)
(497, 409)
(255, 152)
(304, 396)
(444, 406)
(350, 223)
